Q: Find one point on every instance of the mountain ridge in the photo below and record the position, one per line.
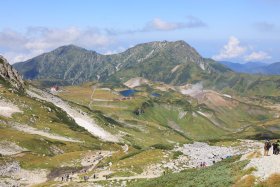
(76, 65)
(254, 67)
(174, 63)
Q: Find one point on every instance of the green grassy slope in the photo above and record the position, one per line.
(172, 117)
(224, 173)
(48, 118)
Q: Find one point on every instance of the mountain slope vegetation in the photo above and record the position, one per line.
(171, 62)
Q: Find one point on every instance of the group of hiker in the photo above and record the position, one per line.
(275, 146)
(67, 177)
(202, 164)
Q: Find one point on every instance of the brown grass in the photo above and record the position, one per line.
(272, 181)
(246, 181)
(255, 154)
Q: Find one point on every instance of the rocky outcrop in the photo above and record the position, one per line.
(9, 75)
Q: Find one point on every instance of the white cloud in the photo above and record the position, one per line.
(234, 50)
(231, 50)
(36, 40)
(257, 56)
(162, 25)
(117, 50)
(159, 24)
(20, 46)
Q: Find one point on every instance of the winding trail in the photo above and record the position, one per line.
(82, 119)
(91, 97)
(31, 130)
(122, 178)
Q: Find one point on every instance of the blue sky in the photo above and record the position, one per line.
(239, 30)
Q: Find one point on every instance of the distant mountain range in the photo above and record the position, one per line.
(175, 63)
(254, 67)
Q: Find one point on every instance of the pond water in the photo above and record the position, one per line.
(127, 93)
(156, 94)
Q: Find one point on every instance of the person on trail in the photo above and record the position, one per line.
(86, 178)
(204, 164)
(266, 147)
(275, 147)
(278, 147)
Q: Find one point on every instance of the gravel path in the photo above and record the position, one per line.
(81, 119)
(265, 165)
(10, 148)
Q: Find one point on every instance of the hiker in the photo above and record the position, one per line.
(85, 178)
(204, 164)
(278, 147)
(62, 179)
(266, 147)
(275, 148)
(94, 176)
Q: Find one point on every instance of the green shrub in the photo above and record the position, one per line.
(162, 146)
(131, 154)
(176, 154)
(224, 173)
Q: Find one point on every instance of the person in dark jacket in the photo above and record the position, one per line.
(275, 148)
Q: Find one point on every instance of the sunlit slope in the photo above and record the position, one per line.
(207, 116)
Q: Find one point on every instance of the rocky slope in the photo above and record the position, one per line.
(9, 76)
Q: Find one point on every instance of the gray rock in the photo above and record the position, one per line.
(9, 74)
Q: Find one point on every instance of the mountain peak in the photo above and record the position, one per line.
(69, 48)
(166, 43)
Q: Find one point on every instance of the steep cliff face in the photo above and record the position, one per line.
(9, 76)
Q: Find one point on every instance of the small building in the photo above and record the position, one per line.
(54, 88)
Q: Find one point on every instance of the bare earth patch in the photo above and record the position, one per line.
(31, 130)
(10, 148)
(7, 109)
